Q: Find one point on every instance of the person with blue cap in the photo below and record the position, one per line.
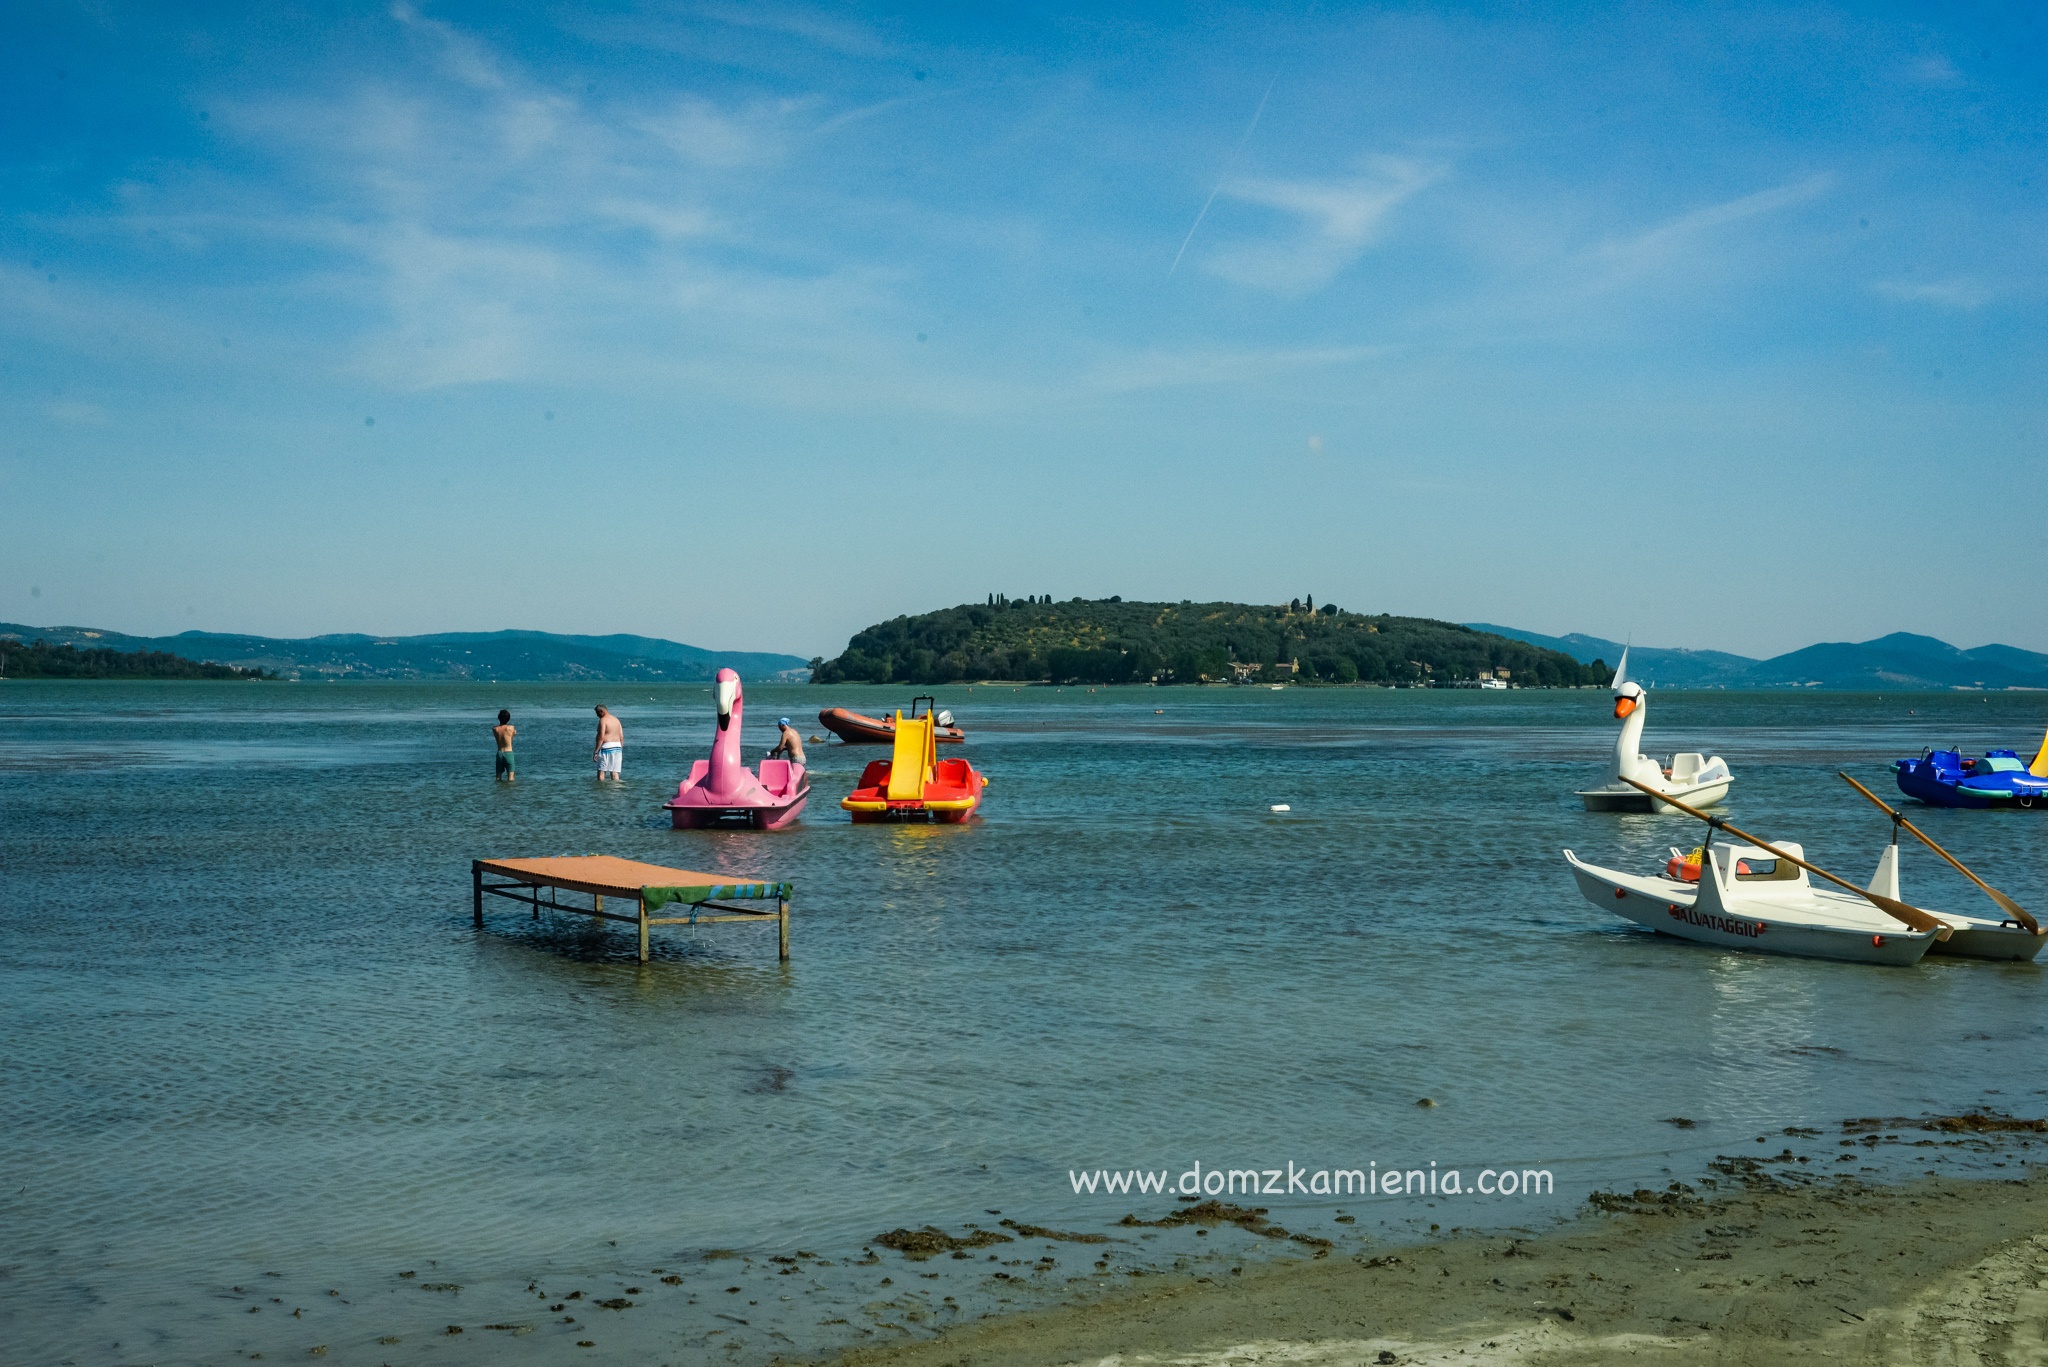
(788, 743)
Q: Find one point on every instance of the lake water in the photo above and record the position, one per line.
(257, 1060)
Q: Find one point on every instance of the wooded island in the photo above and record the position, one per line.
(1110, 641)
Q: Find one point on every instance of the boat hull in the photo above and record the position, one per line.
(695, 817)
(2007, 943)
(1944, 779)
(1667, 906)
(908, 811)
(856, 728)
(1634, 800)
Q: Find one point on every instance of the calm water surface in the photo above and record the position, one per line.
(248, 1029)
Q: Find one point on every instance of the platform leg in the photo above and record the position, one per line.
(476, 894)
(643, 930)
(782, 929)
(597, 902)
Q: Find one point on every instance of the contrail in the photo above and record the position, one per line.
(1243, 138)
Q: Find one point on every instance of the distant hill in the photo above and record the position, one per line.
(1903, 660)
(1665, 668)
(1898, 661)
(511, 656)
(1111, 641)
(39, 659)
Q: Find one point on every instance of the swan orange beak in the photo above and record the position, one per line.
(1624, 706)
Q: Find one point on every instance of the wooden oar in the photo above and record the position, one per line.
(2005, 904)
(1898, 910)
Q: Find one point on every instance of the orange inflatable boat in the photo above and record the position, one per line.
(857, 728)
(914, 784)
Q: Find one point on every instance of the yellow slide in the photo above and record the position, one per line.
(910, 765)
(2039, 768)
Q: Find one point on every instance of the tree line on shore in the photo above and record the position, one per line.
(38, 659)
(1109, 641)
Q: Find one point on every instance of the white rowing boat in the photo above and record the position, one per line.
(1756, 895)
(1748, 898)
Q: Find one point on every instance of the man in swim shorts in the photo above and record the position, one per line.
(610, 751)
(789, 743)
(503, 733)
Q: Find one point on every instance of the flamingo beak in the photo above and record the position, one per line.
(728, 690)
(1623, 706)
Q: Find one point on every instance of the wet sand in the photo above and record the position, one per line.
(1746, 1267)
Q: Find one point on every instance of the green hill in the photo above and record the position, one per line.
(1111, 641)
(39, 659)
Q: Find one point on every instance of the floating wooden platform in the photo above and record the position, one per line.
(649, 887)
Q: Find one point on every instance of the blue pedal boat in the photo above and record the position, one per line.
(1997, 778)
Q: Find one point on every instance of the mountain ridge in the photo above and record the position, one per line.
(501, 656)
(1901, 660)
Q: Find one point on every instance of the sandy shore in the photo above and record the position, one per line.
(1751, 1270)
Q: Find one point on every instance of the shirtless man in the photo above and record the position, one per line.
(610, 750)
(790, 743)
(503, 733)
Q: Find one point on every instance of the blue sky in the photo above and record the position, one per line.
(748, 325)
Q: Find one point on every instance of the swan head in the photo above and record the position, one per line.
(1627, 698)
(727, 691)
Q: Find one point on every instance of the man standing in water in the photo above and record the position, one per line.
(503, 733)
(610, 751)
(789, 743)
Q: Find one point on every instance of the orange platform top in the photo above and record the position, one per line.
(606, 875)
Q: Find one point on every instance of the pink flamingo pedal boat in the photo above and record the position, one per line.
(722, 791)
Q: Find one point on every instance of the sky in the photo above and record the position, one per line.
(749, 325)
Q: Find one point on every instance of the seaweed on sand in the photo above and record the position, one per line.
(1251, 1219)
(1041, 1232)
(920, 1244)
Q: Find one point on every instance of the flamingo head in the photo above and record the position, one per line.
(727, 691)
(1627, 698)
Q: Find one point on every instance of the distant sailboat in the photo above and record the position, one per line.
(1699, 779)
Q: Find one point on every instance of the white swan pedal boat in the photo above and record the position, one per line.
(1747, 898)
(1700, 780)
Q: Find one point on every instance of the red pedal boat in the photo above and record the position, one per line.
(914, 784)
(855, 728)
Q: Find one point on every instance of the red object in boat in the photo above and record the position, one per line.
(1688, 870)
(856, 728)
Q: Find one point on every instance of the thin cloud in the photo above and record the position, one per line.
(705, 135)
(461, 57)
(1961, 293)
(473, 227)
(1242, 139)
(809, 25)
(862, 113)
(73, 413)
(1336, 221)
(1934, 69)
(1182, 369)
(665, 222)
(1677, 238)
